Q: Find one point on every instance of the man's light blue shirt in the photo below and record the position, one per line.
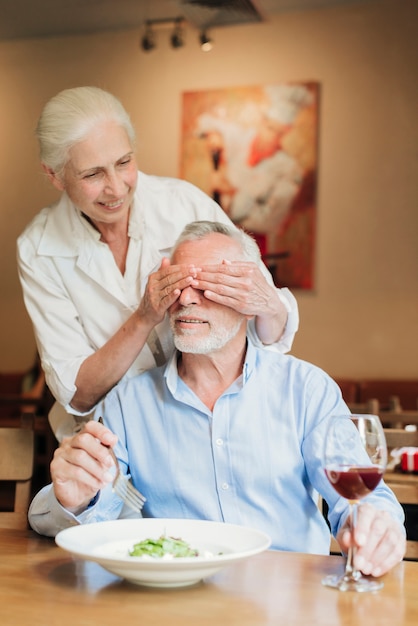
(255, 460)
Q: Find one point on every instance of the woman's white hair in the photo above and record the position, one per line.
(203, 228)
(68, 117)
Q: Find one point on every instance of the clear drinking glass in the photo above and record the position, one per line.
(354, 458)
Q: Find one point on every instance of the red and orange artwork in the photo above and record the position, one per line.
(255, 151)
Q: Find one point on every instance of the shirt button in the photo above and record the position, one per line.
(225, 486)
(219, 442)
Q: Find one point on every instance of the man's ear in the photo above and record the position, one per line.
(53, 178)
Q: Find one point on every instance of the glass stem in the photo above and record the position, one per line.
(351, 573)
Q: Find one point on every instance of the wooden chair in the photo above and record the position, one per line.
(370, 407)
(399, 438)
(397, 420)
(348, 388)
(25, 395)
(406, 391)
(16, 466)
(22, 392)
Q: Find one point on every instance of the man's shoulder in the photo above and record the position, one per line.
(289, 364)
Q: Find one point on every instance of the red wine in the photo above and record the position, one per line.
(354, 483)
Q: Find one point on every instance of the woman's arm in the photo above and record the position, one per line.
(70, 324)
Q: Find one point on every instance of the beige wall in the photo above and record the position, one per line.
(361, 320)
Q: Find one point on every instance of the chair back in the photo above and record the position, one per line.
(16, 466)
(400, 438)
(21, 393)
(386, 391)
(371, 407)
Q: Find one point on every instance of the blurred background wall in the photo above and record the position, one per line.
(361, 320)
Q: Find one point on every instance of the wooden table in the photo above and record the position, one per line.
(404, 485)
(42, 585)
(402, 478)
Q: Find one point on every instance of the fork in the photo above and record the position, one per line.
(123, 487)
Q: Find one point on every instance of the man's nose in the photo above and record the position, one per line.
(189, 295)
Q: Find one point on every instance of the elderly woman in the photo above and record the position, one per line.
(94, 267)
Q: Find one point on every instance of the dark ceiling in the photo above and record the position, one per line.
(23, 19)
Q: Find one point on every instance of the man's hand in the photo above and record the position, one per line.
(379, 540)
(80, 467)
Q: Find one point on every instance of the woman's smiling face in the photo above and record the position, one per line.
(101, 174)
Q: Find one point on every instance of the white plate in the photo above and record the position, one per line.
(108, 543)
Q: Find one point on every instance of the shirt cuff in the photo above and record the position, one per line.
(292, 324)
(286, 340)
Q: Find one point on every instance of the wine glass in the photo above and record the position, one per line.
(354, 457)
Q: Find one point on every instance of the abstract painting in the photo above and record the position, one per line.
(255, 151)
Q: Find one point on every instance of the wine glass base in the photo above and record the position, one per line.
(345, 583)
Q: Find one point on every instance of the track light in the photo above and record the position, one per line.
(148, 40)
(206, 43)
(177, 38)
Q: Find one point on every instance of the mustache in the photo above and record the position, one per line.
(186, 311)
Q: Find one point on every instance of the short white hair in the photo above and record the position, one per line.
(68, 117)
(202, 228)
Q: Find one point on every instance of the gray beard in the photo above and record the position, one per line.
(216, 340)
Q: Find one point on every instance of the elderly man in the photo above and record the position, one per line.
(224, 431)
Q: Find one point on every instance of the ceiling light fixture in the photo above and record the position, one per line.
(148, 40)
(206, 43)
(177, 37)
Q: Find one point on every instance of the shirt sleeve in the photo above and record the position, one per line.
(323, 400)
(48, 517)
(58, 330)
(286, 340)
